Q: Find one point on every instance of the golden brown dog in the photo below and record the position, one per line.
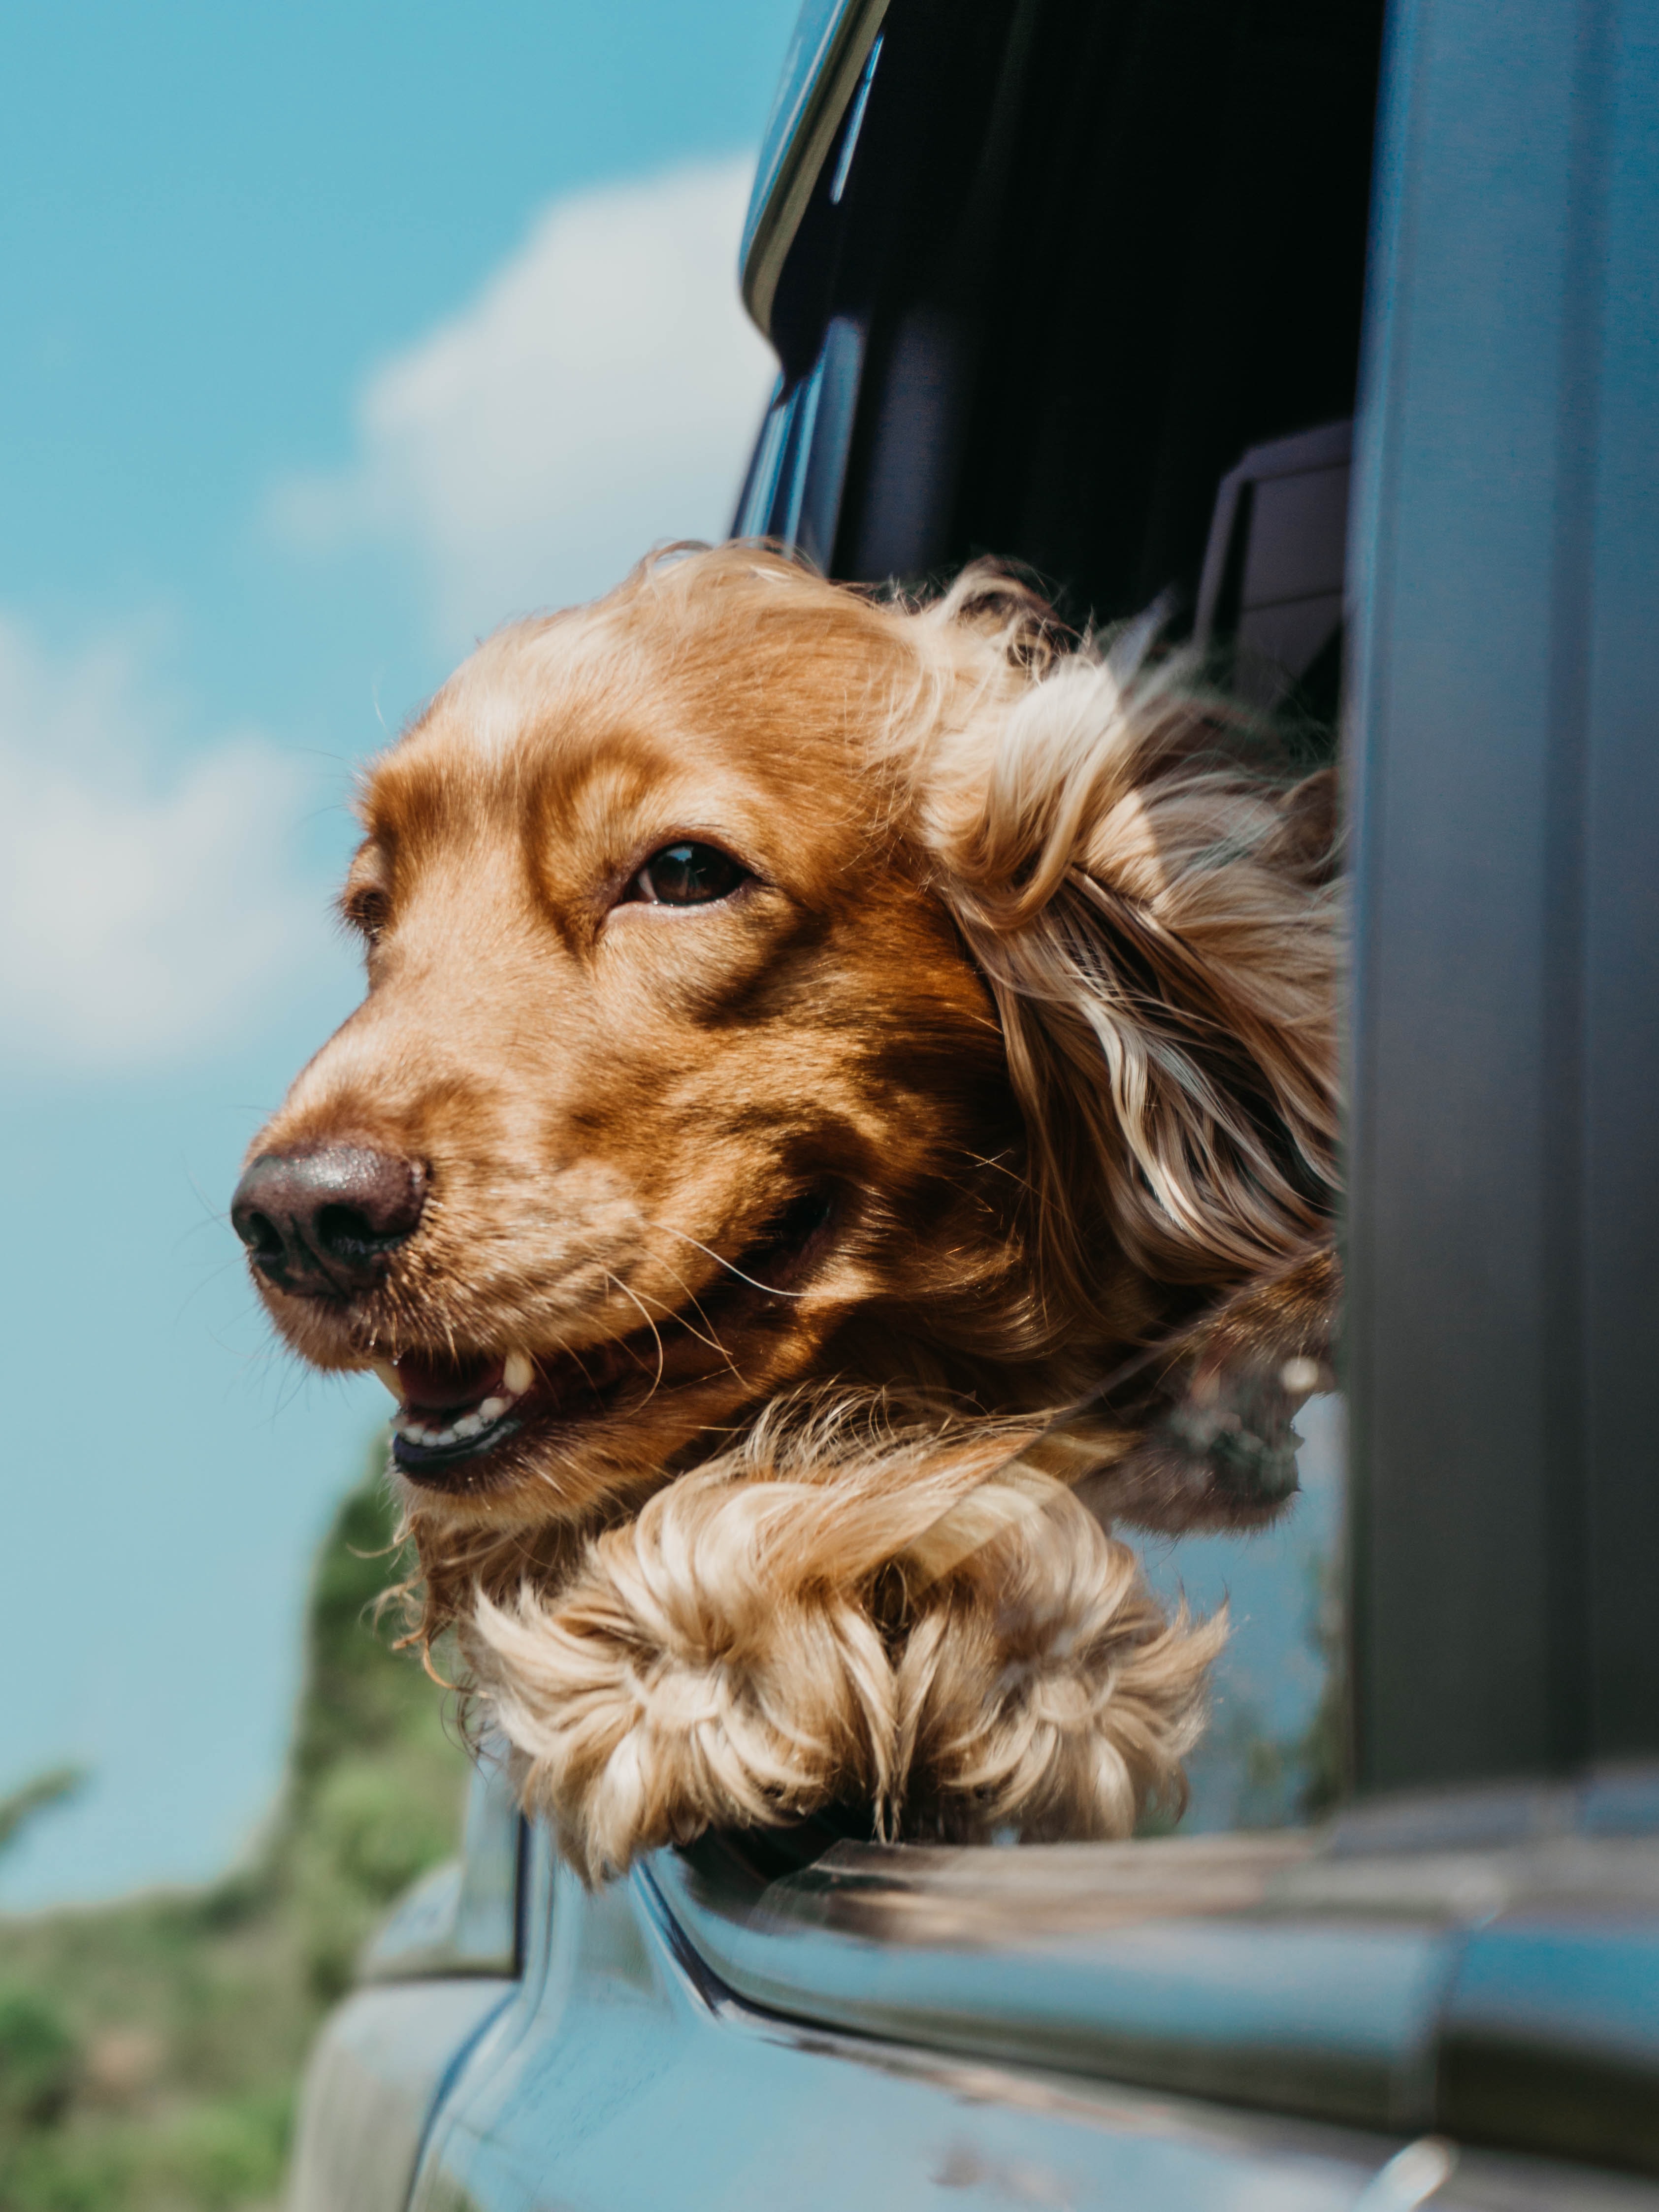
(840, 1084)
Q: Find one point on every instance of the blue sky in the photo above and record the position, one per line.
(331, 337)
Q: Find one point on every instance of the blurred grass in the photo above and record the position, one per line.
(150, 2050)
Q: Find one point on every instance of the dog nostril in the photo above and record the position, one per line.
(261, 1236)
(325, 1223)
(345, 1232)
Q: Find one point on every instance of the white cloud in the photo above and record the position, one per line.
(141, 913)
(599, 393)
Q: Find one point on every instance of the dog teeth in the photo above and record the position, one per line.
(517, 1375)
(461, 1431)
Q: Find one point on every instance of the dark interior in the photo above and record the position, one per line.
(1090, 255)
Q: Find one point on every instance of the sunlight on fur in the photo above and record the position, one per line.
(788, 1282)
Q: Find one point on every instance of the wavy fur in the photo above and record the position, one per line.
(833, 1614)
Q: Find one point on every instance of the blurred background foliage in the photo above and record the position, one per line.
(150, 2050)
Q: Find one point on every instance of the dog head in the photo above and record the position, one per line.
(768, 984)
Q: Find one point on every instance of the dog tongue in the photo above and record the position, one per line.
(432, 1384)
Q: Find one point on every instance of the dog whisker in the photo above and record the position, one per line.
(205, 1282)
(730, 1266)
(694, 1304)
(650, 1322)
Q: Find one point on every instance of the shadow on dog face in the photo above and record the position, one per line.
(669, 1070)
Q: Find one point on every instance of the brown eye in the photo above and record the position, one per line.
(687, 875)
(369, 912)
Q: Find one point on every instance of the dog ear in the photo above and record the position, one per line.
(1153, 912)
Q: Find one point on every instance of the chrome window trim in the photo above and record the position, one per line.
(821, 73)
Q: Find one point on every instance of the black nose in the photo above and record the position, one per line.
(324, 1223)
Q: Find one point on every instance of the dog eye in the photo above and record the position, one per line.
(686, 875)
(369, 912)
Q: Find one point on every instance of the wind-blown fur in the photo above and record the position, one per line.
(1138, 901)
(1037, 988)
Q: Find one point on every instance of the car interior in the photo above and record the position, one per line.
(1009, 324)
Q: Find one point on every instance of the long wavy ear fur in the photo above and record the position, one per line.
(1155, 916)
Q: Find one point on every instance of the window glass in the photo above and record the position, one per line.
(1273, 1755)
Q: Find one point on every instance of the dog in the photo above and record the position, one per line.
(844, 1113)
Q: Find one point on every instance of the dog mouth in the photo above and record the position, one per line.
(456, 1408)
(453, 1409)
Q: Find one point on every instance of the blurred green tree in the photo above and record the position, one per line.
(150, 2050)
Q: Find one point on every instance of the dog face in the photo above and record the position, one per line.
(768, 987)
(670, 1067)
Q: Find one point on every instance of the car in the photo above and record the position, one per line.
(1330, 336)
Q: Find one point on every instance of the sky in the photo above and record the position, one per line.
(331, 336)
